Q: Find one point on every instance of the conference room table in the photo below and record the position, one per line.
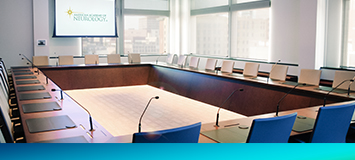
(68, 107)
(258, 99)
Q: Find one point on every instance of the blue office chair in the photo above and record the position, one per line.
(271, 130)
(185, 134)
(331, 125)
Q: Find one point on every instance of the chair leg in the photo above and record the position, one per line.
(302, 138)
(350, 137)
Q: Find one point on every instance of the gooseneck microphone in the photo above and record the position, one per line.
(272, 69)
(28, 60)
(87, 111)
(278, 103)
(61, 92)
(217, 117)
(156, 61)
(140, 119)
(325, 97)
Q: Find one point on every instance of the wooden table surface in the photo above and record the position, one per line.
(69, 107)
(157, 74)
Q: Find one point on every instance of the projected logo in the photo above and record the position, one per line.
(83, 17)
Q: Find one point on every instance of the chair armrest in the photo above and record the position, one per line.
(10, 102)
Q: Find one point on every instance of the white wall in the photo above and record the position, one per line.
(334, 31)
(293, 33)
(307, 34)
(16, 31)
(40, 27)
(285, 31)
(43, 16)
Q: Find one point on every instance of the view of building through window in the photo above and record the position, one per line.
(142, 34)
(145, 34)
(99, 45)
(212, 34)
(250, 34)
(243, 35)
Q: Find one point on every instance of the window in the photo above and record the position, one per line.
(348, 55)
(145, 34)
(251, 27)
(243, 1)
(212, 34)
(237, 28)
(157, 5)
(100, 46)
(143, 29)
(145, 26)
(200, 4)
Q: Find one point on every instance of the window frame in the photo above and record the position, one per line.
(230, 8)
(137, 12)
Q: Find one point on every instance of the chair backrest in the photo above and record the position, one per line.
(3, 64)
(169, 58)
(182, 60)
(185, 134)
(271, 130)
(175, 59)
(332, 124)
(4, 103)
(4, 106)
(113, 58)
(4, 70)
(310, 76)
(211, 64)
(4, 86)
(4, 97)
(4, 76)
(4, 93)
(4, 81)
(278, 72)
(340, 76)
(40, 60)
(2, 138)
(251, 69)
(134, 58)
(227, 66)
(91, 59)
(6, 126)
(66, 60)
(194, 61)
